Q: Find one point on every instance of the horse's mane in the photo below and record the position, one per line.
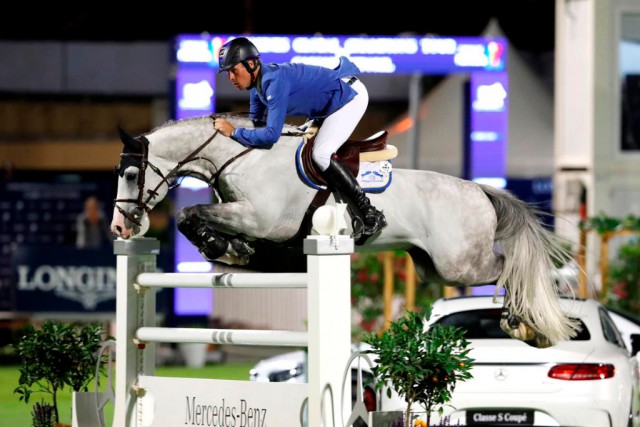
(238, 120)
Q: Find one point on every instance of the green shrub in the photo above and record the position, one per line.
(624, 277)
(422, 365)
(56, 355)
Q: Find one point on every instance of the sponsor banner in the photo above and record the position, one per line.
(204, 402)
(64, 279)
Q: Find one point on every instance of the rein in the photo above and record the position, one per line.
(143, 206)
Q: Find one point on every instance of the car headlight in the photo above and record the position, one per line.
(253, 374)
(286, 375)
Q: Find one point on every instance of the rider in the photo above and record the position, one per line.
(336, 96)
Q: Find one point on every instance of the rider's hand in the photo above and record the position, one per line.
(223, 126)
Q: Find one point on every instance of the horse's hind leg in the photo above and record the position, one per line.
(481, 269)
(423, 264)
(509, 323)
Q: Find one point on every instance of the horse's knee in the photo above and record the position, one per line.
(187, 225)
(183, 216)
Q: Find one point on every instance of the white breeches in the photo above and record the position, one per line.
(339, 126)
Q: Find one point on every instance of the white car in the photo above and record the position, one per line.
(281, 368)
(289, 367)
(591, 380)
(628, 324)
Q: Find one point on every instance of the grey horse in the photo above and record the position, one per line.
(457, 232)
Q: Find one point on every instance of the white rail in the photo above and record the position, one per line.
(223, 336)
(223, 280)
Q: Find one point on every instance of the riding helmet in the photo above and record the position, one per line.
(236, 51)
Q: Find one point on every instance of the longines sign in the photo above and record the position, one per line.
(58, 279)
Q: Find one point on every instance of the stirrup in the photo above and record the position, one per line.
(357, 223)
(371, 230)
(365, 232)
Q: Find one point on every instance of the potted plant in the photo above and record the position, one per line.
(422, 365)
(194, 354)
(57, 355)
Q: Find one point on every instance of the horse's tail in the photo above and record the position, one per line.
(530, 254)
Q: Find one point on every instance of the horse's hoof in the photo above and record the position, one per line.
(213, 248)
(241, 247)
(521, 331)
(512, 321)
(206, 257)
(539, 342)
(230, 259)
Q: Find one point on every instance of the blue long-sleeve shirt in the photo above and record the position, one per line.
(297, 90)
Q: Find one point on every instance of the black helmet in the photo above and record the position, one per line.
(235, 51)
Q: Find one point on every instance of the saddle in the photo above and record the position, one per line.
(367, 160)
(353, 154)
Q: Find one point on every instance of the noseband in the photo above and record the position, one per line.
(142, 206)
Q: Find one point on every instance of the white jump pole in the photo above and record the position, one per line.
(223, 336)
(134, 309)
(223, 280)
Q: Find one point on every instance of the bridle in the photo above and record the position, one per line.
(142, 206)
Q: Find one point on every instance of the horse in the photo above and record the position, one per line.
(457, 232)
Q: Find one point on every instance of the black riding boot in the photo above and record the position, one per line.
(343, 181)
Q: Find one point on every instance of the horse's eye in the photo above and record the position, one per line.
(130, 176)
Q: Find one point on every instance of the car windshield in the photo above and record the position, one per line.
(485, 324)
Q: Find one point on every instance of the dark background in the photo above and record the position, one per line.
(529, 24)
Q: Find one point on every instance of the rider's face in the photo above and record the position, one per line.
(240, 77)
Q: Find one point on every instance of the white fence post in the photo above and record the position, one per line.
(329, 325)
(134, 309)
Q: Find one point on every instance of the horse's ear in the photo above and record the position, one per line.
(128, 140)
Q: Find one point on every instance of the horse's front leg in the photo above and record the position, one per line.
(212, 244)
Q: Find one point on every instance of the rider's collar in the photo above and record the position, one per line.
(256, 82)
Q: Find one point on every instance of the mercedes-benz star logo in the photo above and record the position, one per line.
(501, 374)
